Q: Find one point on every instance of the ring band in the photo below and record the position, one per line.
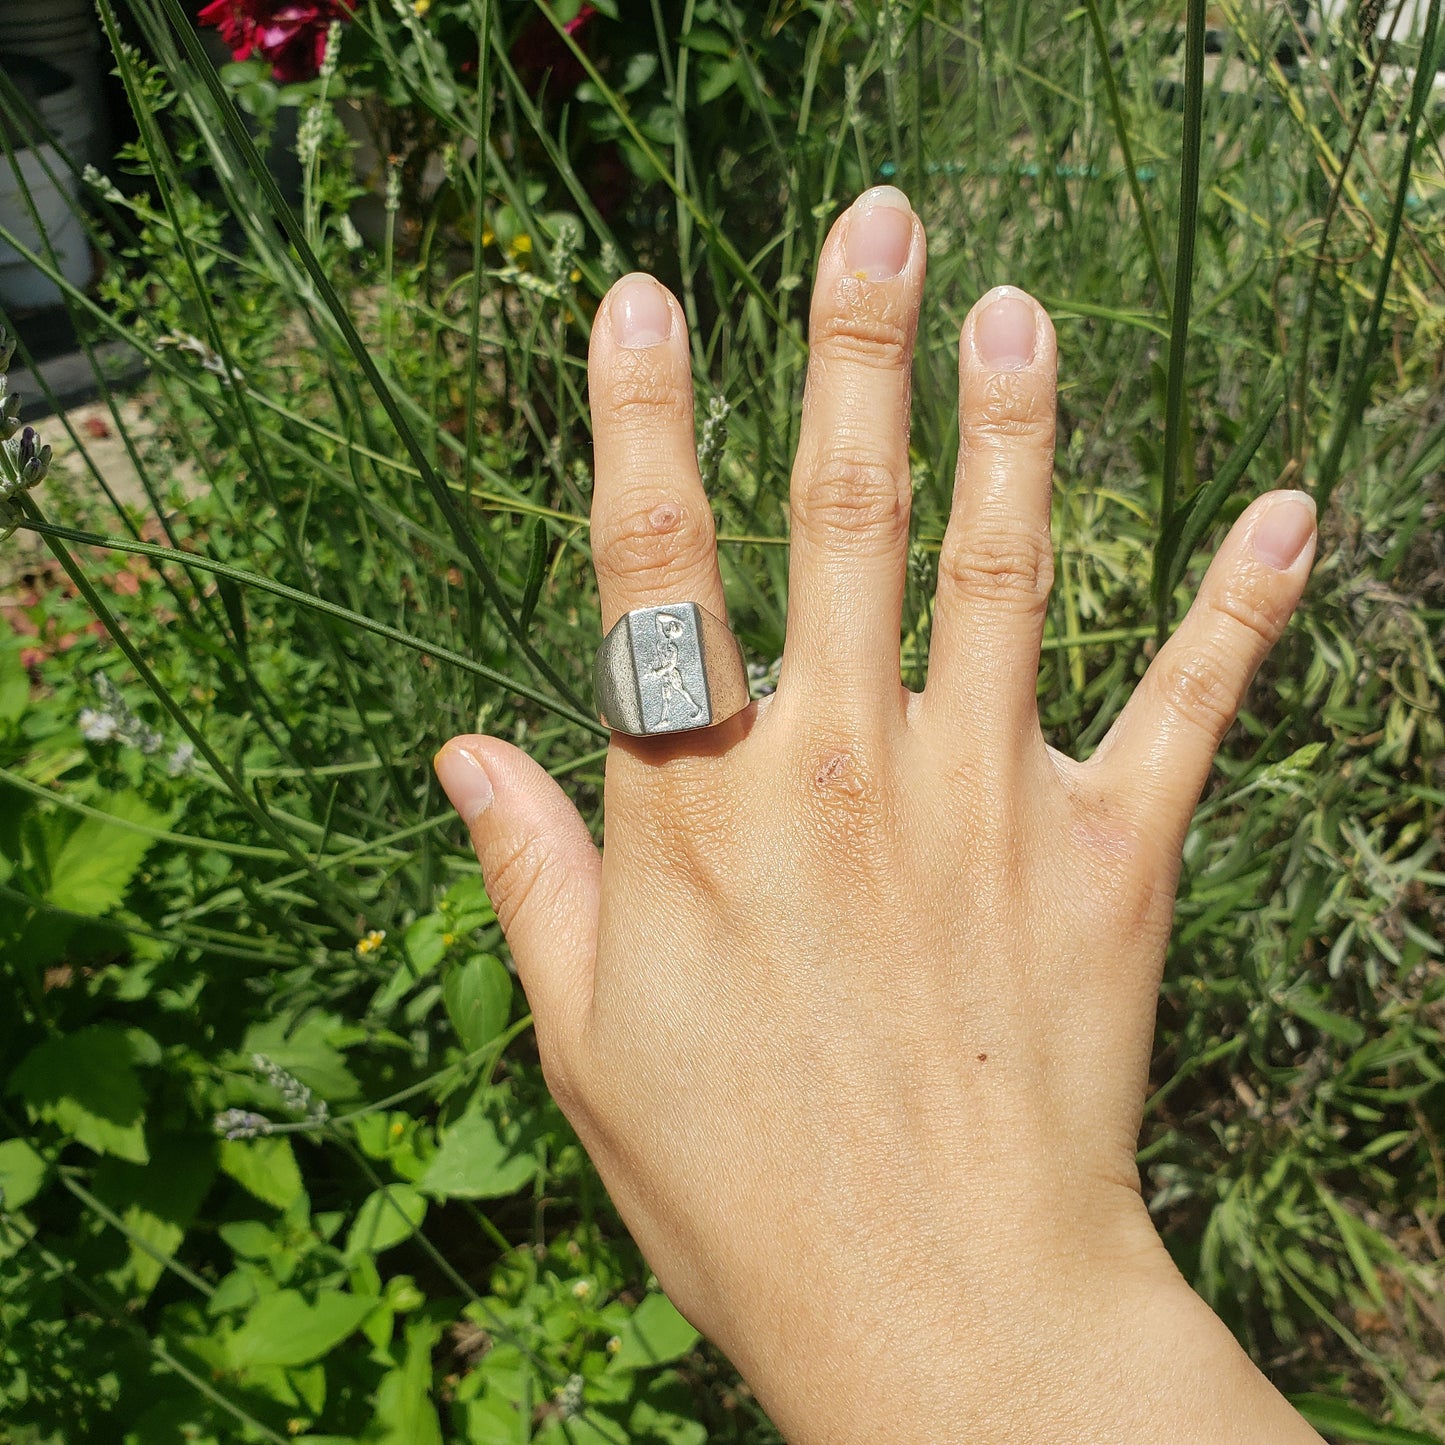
(669, 669)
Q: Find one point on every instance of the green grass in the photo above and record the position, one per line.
(389, 544)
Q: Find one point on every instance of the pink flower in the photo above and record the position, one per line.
(290, 34)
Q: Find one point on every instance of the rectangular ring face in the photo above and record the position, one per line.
(667, 659)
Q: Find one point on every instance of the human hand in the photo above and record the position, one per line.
(854, 1015)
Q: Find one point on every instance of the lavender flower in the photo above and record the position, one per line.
(295, 1096)
(117, 723)
(241, 1124)
(98, 727)
(24, 459)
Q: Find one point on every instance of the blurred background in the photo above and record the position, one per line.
(296, 457)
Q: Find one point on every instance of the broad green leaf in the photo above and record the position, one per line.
(85, 1085)
(249, 1238)
(310, 1051)
(386, 1218)
(94, 866)
(666, 1413)
(22, 1174)
(403, 1413)
(655, 1335)
(264, 1168)
(478, 1160)
(478, 996)
(288, 1329)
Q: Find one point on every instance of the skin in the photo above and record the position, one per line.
(854, 1014)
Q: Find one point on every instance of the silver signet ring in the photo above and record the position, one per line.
(669, 670)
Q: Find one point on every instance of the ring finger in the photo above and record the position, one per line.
(653, 538)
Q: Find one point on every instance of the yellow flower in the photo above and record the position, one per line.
(371, 942)
(448, 939)
(421, 7)
(521, 245)
(487, 237)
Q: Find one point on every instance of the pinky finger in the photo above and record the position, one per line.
(1157, 756)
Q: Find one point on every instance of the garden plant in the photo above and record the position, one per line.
(277, 1160)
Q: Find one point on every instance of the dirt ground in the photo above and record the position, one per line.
(87, 441)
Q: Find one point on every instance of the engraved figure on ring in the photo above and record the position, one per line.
(667, 671)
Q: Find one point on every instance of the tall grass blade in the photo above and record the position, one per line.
(1175, 438)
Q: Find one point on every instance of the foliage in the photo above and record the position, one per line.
(278, 1162)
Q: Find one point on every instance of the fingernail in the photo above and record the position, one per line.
(1006, 334)
(640, 313)
(464, 781)
(880, 234)
(1285, 530)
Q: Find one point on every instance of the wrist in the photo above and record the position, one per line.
(1104, 1344)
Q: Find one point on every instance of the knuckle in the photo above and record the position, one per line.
(844, 789)
(637, 391)
(1010, 569)
(1197, 688)
(655, 540)
(1015, 405)
(853, 499)
(1241, 609)
(878, 341)
(560, 1073)
(514, 872)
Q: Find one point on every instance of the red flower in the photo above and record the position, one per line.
(291, 34)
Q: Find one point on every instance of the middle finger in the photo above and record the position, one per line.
(851, 489)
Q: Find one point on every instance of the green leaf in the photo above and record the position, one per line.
(655, 1335)
(386, 1218)
(288, 1329)
(231, 600)
(249, 1238)
(309, 1051)
(85, 1085)
(710, 42)
(97, 861)
(1337, 1417)
(666, 1413)
(403, 1413)
(423, 948)
(264, 1168)
(478, 996)
(22, 1174)
(536, 571)
(480, 1160)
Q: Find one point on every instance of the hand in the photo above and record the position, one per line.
(855, 1013)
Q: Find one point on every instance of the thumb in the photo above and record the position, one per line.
(541, 869)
